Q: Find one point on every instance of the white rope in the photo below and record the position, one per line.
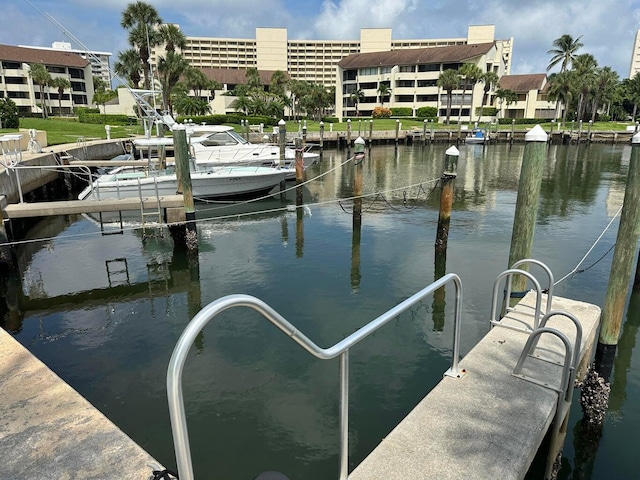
(590, 249)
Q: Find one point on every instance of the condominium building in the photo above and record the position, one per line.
(17, 84)
(411, 76)
(635, 56)
(312, 60)
(100, 61)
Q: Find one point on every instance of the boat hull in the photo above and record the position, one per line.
(218, 183)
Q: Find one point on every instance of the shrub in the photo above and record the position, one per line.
(330, 119)
(487, 111)
(427, 112)
(103, 119)
(9, 114)
(381, 112)
(401, 112)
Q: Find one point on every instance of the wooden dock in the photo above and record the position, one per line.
(42, 209)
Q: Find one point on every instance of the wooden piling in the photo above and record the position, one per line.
(447, 181)
(524, 222)
(424, 131)
(299, 171)
(370, 133)
(359, 156)
(397, 130)
(349, 135)
(321, 136)
(621, 265)
(282, 142)
(183, 174)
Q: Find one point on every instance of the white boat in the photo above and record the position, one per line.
(221, 145)
(477, 136)
(207, 183)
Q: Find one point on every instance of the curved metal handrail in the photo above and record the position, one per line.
(578, 340)
(200, 320)
(549, 273)
(494, 300)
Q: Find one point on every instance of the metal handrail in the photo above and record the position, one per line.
(200, 320)
(549, 273)
(578, 339)
(493, 321)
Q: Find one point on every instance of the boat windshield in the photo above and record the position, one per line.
(219, 139)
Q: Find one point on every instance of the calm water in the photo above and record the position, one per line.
(104, 312)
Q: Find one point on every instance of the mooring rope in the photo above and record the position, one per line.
(576, 268)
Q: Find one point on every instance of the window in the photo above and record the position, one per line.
(428, 83)
(368, 85)
(407, 68)
(404, 98)
(427, 98)
(405, 83)
(368, 71)
(76, 73)
(11, 65)
(450, 66)
(55, 69)
(349, 75)
(385, 70)
(430, 67)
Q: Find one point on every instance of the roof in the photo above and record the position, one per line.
(523, 83)
(237, 76)
(413, 56)
(38, 55)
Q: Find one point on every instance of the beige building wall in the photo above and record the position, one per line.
(271, 49)
(635, 56)
(375, 40)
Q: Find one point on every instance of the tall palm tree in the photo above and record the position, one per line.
(561, 86)
(278, 84)
(585, 67)
(41, 77)
(357, 96)
(253, 78)
(490, 80)
(565, 48)
(241, 104)
(448, 81)
(140, 19)
(384, 90)
(196, 80)
(170, 68)
(632, 92)
(61, 84)
(506, 95)
(606, 82)
(128, 67)
(470, 74)
(172, 37)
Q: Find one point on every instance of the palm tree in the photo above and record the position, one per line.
(241, 104)
(278, 84)
(507, 96)
(490, 80)
(561, 86)
(384, 90)
(253, 78)
(128, 67)
(170, 68)
(565, 48)
(357, 96)
(606, 82)
(61, 84)
(141, 18)
(191, 106)
(448, 81)
(40, 76)
(101, 97)
(470, 74)
(585, 67)
(632, 92)
(196, 80)
(172, 37)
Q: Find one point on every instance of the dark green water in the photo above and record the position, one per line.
(104, 312)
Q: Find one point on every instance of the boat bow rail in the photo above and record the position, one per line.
(340, 349)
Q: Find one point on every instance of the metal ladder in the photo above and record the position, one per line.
(113, 270)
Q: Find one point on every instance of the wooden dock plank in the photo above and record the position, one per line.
(41, 209)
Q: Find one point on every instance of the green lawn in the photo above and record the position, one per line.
(66, 130)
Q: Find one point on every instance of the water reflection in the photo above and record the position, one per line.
(105, 312)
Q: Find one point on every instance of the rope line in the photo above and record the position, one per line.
(575, 269)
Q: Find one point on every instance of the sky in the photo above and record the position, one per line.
(607, 27)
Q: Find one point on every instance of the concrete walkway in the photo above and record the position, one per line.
(48, 431)
(488, 424)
